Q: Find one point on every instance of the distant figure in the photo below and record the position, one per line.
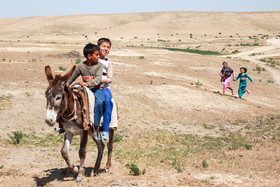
(225, 74)
(243, 82)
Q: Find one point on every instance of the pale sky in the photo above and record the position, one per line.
(30, 8)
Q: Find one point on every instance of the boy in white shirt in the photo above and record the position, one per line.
(107, 77)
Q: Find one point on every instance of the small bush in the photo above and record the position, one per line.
(248, 146)
(270, 81)
(204, 164)
(16, 137)
(144, 172)
(117, 138)
(235, 51)
(77, 61)
(141, 57)
(198, 84)
(133, 169)
(62, 68)
(177, 166)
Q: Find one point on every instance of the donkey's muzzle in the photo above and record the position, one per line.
(50, 122)
(50, 118)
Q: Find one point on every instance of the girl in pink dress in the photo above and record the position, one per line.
(225, 74)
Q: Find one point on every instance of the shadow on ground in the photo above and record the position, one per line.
(63, 174)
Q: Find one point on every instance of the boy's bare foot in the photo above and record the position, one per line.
(248, 91)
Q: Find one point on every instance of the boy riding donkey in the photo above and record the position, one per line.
(91, 72)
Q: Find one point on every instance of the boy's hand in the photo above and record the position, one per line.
(104, 81)
(84, 84)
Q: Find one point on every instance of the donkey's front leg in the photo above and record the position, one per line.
(82, 154)
(65, 151)
(100, 147)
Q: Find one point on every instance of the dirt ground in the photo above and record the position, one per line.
(156, 89)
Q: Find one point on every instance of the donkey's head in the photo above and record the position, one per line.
(56, 95)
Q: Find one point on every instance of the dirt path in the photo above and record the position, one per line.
(274, 45)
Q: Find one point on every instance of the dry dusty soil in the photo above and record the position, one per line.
(174, 124)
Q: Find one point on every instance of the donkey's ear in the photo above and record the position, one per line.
(68, 75)
(48, 73)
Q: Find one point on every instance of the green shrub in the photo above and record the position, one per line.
(204, 164)
(235, 51)
(133, 169)
(177, 166)
(198, 84)
(117, 138)
(16, 137)
(197, 51)
(248, 146)
(77, 61)
(62, 68)
(141, 57)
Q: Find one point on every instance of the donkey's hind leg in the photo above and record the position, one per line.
(110, 149)
(82, 154)
(65, 151)
(100, 147)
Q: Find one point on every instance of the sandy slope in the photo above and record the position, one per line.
(157, 92)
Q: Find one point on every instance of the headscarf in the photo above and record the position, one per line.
(226, 71)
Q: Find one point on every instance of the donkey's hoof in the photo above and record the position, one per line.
(78, 180)
(94, 174)
(107, 170)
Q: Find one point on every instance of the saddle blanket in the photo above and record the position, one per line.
(91, 101)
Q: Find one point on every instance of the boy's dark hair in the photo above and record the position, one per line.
(101, 40)
(245, 69)
(90, 48)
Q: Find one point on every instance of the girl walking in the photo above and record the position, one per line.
(225, 74)
(243, 82)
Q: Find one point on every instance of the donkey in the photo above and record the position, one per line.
(64, 107)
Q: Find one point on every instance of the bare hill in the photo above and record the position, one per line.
(173, 120)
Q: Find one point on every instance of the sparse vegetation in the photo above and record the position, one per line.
(270, 81)
(134, 169)
(198, 84)
(77, 61)
(61, 68)
(177, 166)
(235, 51)
(16, 137)
(259, 69)
(197, 51)
(204, 164)
(141, 57)
(248, 146)
(210, 127)
(272, 62)
(117, 138)
(5, 101)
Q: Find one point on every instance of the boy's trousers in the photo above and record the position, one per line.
(98, 105)
(108, 109)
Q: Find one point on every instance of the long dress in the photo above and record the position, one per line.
(243, 83)
(225, 77)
